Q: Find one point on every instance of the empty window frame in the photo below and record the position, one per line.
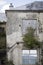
(28, 23)
(29, 56)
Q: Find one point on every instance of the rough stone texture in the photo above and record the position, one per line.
(14, 32)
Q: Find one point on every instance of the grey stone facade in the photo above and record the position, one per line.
(14, 31)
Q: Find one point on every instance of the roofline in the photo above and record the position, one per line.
(24, 11)
(2, 22)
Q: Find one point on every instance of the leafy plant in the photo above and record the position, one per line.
(9, 63)
(30, 41)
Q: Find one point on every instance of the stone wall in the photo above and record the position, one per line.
(14, 31)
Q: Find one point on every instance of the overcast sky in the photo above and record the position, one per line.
(4, 4)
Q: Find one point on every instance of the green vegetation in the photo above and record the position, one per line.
(2, 39)
(3, 58)
(30, 40)
(2, 45)
(9, 63)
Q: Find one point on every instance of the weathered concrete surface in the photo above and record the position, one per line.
(14, 31)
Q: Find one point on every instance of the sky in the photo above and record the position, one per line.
(4, 4)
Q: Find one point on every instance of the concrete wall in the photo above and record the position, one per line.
(14, 31)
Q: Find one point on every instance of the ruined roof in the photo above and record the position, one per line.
(37, 5)
(3, 17)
